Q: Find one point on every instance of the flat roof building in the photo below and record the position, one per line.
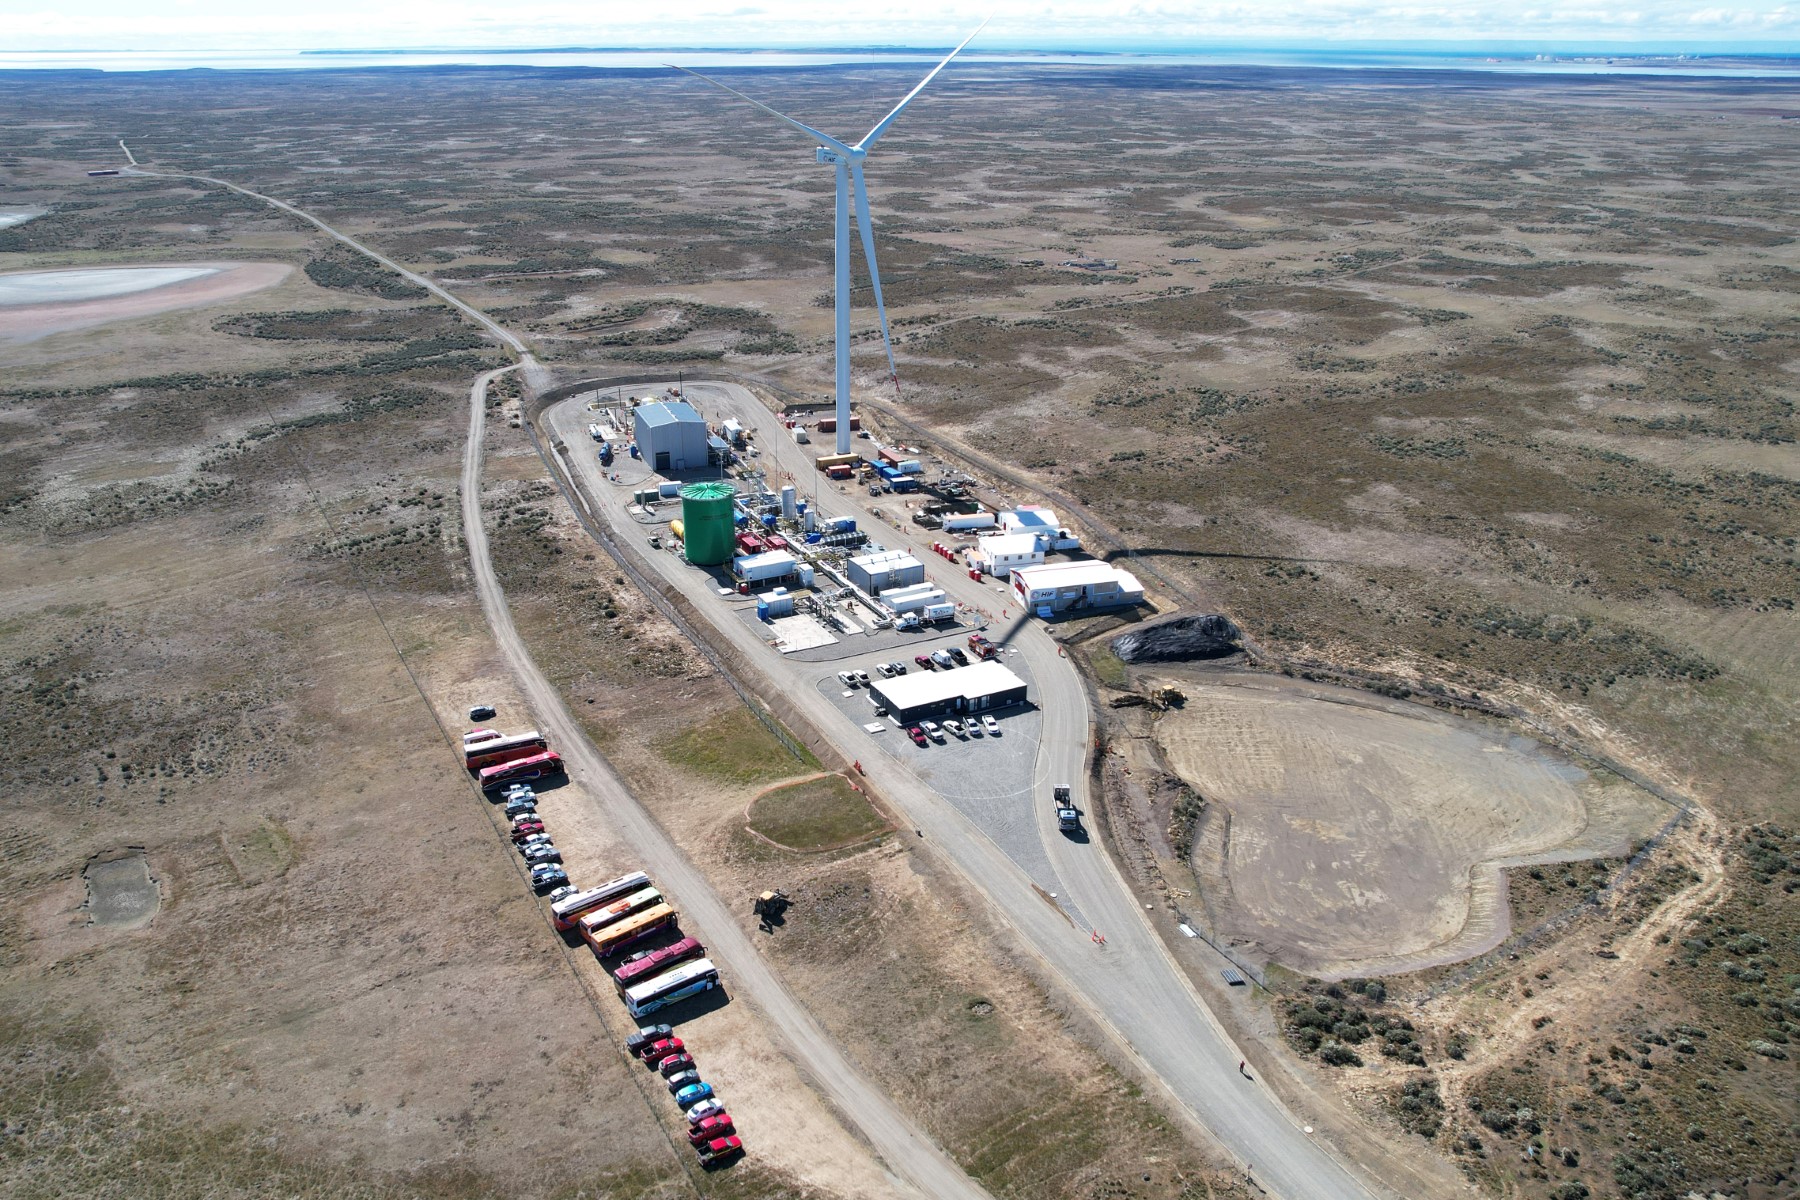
(1066, 587)
(875, 573)
(1000, 554)
(671, 436)
(979, 687)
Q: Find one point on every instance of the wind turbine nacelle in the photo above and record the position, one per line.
(825, 155)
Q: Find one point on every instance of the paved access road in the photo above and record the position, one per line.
(1129, 984)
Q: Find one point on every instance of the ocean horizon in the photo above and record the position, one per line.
(1663, 61)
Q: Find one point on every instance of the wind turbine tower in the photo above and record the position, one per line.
(846, 161)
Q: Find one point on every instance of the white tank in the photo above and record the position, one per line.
(790, 507)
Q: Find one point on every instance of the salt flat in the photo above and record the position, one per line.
(64, 287)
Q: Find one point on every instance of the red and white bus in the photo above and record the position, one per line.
(502, 749)
(567, 911)
(546, 762)
(656, 960)
(478, 735)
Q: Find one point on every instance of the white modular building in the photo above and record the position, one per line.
(876, 573)
(1040, 521)
(765, 567)
(1070, 587)
(671, 436)
(999, 554)
(912, 599)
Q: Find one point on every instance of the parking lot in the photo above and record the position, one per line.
(991, 779)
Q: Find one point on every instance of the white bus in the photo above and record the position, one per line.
(565, 911)
(689, 979)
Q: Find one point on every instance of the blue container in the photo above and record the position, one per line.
(813, 539)
(634, 452)
(741, 520)
(768, 520)
(843, 525)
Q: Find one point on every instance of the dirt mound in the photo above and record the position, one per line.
(1201, 635)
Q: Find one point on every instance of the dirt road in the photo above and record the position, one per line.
(1129, 984)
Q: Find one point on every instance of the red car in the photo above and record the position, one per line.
(655, 1052)
(710, 1128)
(675, 1064)
(718, 1150)
(917, 735)
(525, 829)
(924, 660)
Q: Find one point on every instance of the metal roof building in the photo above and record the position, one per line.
(1061, 587)
(670, 436)
(979, 687)
(889, 569)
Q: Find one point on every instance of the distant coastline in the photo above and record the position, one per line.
(1510, 59)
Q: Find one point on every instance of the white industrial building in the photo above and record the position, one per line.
(1065, 587)
(912, 599)
(767, 567)
(979, 687)
(875, 573)
(1040, 521)
(671, 436)
(999, 554)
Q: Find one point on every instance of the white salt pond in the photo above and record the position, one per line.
(17, 216)
(66, 287)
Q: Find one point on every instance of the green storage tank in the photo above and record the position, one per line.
(707, 519)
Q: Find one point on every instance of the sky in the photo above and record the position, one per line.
(35, 25)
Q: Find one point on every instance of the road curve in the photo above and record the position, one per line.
(909, 1152)
(907, 1149)
(1130, 985)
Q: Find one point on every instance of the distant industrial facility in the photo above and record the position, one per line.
(979, 687)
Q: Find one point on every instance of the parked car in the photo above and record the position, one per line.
(675, 1064)
(718, 1150)
(542, 852)
(991, 725)
(847, 678)
(942, 660)
(705, 1109)
(886, 669)
(924, 661)
(899, 667)
(682, 1080)
(524, 829)
(531, 839)
(481, 712)
(693, 1094)
(917, 735)
(656, 1051)
(954, 726)
(962, 660)
(645, 1035)
(862, 677)
(548, 875)
(932, 731)
(710, 1128)
(560, 893)
(521, 804)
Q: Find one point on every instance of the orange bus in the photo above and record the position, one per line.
(614, 938)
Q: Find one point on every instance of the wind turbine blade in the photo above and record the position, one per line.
(868, 243)
(882, 125)
(808, 130)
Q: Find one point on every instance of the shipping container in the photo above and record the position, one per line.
(938, 612)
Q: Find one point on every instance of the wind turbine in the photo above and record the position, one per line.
(847, 162)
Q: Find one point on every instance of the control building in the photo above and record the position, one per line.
(1072, 587)
(671, 436)
(977, 688)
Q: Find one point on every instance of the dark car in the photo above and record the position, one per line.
(521, 804)
(683, 1079)
(647, 1034)
(481, 712)
(548, 875)
(962, 660)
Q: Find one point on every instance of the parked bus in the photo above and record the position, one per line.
(656, 961)
(545, 762)
(629, 930)
(478, 735)
(593, 921)
(689, 979)
(502, 749)
(565, 912)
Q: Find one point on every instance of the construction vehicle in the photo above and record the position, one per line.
(770, 906)
(1068, 817)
